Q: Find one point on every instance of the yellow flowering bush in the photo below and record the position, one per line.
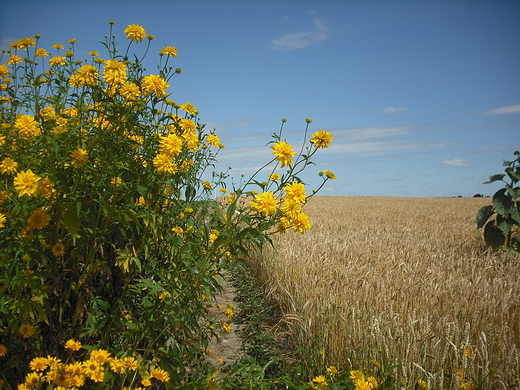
(108, 232)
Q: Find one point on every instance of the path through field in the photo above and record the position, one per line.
(227, 346)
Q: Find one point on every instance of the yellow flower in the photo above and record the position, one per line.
(164, 164)
(228, 311)
(135, 32)
(177, 230)
(189, 108)
(58, 60)
(322, 139)
(372, 382)
(154, 84)
(332, 370)
(172, 52)
(100, 355)
(129, 91)
(329, 174)
(57, 46)
(140, 201)
(283, 152)
(264, 203)
(46, 189)
(226, 327)
(3, 220)
(38, 219)
(26, 183)
(71, 344)
(192, 140)
(72, 41)
(114, 72)
(27, 127)
(39, 364)
(33, 379)
(207, 185)
(4, 195)
(159, 374)
(40, 53)
(117, 365)
(146, 382)
(301, 222)
(295, 191)
(93, 53)
(163, 295)
(274, 177)
(86, 75)
(422, 384)
(3, 350)
(4, 71)
(308, 120)
(116, 181)
(130, 363)
(357, 376)
(170, 145)
(27, 330)
(14, 59)
(319, 382)
(8, 166)
(79, 157)
(213, 140)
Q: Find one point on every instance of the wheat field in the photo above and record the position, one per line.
(406, 280)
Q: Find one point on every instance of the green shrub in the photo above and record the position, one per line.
(108, 232)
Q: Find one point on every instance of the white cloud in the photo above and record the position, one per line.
(392, 110)
(455, 163)
(300, 40)
(514, 109)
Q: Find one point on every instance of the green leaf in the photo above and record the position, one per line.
(41, 311)
(231, 211)
(483, 215)
(503, 203)
(494, 178)
(72, 221)
(514, 192)
(493, 235)
(190, 193)
(504, 224)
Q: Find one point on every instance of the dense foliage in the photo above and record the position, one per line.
(503, 230)
(110, 239)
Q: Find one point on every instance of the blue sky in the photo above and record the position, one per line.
(422, 97)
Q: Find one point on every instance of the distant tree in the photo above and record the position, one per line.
(478, 196)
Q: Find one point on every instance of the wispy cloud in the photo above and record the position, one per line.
(514, 109)
(364, 133)
(302, 39)
(456, 163)
(392, 110)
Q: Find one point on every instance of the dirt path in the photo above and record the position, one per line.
(225, 349)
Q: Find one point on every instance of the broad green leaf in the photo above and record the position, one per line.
(504, 224)
(483, 215)
(494, 178)
(503, 204)
(493, 235)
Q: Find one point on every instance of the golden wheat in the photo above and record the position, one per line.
(406, 279)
